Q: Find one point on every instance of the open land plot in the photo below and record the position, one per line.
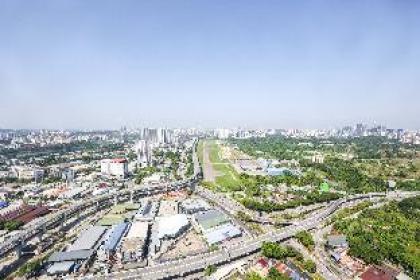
(216, 169)
(241, 162)
(191, 244)
(208, 170)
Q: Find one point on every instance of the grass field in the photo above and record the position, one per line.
(110, 220)
(200, 151)
(227, 178)
(118, 214)
(124, 207)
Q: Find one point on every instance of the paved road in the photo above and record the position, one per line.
(42, 224)
(228, 204)
(227, 254)
(232, 206)
(51, 220)
(321, 266)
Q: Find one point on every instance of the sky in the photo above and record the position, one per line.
(179, 63)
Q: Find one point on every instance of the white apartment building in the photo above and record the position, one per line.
(29, 173)
(114, 167)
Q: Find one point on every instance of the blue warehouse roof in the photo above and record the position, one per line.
(115, 236)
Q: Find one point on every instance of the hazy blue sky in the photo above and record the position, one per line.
(99, 64)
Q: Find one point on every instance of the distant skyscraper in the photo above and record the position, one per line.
(144, 152)
(222, 133)
(160, 135)
(360, 129)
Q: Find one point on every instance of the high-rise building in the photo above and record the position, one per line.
(144, 152)
(68, 175)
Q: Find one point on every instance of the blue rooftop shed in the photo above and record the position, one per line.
(115, 237)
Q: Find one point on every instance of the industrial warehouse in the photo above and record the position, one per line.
(216, 226)
(148, 233)
(79, 253)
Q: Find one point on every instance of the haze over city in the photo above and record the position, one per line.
(209, 140)
(95, 64)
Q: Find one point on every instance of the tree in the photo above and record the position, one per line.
(213, 247)
(31, 266)
(309, 266)
(12, 225)
(244, 216)
(277, 251)
(210, 270)
(274, 274)
(253, 276)
(389, 233)
(306, 239)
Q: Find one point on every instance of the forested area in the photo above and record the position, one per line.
(346, 212)
(356, 165)
(390, 233)
(350, 178)
(371, 147)
(309, 178)
(411, 185)
(269, 206)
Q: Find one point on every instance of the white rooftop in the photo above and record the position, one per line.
(222, 233)
(169, 226)
(88, 239)
(138, 230)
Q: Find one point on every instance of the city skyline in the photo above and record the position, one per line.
(95, 65)
(131, 128)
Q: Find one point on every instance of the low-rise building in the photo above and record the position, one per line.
(172, 226)
(147, 211)
(133, 244)
(29, 173)
(222, 233)
(112, 240)
(376, 272)
(210, 219)
(192, 206)
(337, 241)
(77, 253)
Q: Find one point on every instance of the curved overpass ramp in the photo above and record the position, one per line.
(182, 267)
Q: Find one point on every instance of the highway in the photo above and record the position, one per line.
(182, 267)
(231, 206)
(52, 220)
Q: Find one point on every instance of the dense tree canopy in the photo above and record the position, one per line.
(357, 165)
(306, 239)
(276, 251)
(280, 147)
(269, 206)
(10, 225)
(390, 233)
